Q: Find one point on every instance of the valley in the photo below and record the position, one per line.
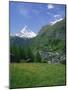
(49, 45)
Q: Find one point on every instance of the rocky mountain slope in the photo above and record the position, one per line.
(50, 41)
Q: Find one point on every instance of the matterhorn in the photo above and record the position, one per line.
(26, 33)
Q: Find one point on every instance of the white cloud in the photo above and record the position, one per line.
(24, 12)
(49, 13)
(28, 12)
(57, 20)
(50, 6)
(57, 15)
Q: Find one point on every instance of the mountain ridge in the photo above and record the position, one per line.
(51, 40)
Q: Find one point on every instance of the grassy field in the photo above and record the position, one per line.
(36, 74)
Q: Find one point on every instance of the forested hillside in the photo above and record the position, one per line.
(47, 46)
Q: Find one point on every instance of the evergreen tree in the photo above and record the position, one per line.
(23, 53)
(30, 55)
(38, 57)
(15, 52)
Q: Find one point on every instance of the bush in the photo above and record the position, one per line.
(63, 62)
(44, 61)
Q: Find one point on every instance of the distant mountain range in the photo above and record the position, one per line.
(27, 33)
(45, 36)
(51, 38)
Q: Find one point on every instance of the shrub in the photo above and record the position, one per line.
(63, 62)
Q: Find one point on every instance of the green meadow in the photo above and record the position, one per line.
(36, 74)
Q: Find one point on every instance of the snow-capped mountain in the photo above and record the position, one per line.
(54, 22)
(26, 33)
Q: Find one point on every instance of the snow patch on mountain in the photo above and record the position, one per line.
(53, 22)
(26, 33)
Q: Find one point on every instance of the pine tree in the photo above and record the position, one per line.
(30, 55)
(38, 57)
(14, 51)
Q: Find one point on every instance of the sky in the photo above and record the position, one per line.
(34, 15)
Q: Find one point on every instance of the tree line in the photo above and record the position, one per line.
(23, 54)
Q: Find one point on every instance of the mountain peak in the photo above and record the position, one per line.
(25, 29)
(26, 33)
